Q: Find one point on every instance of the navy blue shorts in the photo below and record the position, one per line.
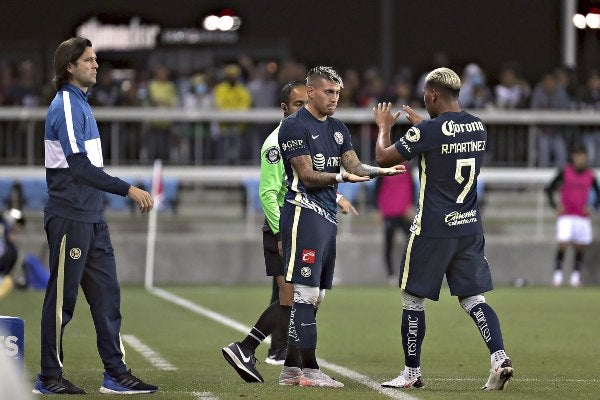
(273, 261)
(426, 260)
(308, 247)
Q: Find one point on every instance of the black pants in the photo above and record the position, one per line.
(80, 254)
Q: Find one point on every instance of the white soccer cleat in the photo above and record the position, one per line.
(290, 376)
(575, 280)
(499, 375)
(401, 382)
(557, 278)
(315, 377)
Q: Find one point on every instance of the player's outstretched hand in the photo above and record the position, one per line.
(411, 115)
(383, 115)
(395, 170)
(348, 177)
(141, 198)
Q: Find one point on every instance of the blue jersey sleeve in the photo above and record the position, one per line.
(417, 139)
(292, 138)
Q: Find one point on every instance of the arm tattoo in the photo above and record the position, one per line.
(309, 177)
(353, 165)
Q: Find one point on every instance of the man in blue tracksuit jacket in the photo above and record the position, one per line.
(81, 251)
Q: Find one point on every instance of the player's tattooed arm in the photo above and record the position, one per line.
(314, 179)
(353, 165)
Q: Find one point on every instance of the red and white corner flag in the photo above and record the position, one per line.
(157, 190)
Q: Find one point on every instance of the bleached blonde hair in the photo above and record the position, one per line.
(444, 78)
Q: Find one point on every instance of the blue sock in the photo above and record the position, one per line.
(413, 333)
(303, 326)
(487, 321)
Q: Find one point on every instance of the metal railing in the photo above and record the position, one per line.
(194, 138)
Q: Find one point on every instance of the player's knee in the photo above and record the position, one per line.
(306, 294)
(468, 303)
(412, 303)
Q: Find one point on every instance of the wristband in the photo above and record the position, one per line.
(339, 178)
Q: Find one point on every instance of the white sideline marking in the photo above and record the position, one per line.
(204, 396)
(222, 319)
(152, 356)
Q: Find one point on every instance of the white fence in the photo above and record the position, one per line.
(512, 140)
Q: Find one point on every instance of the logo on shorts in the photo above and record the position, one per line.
(272, 155)
(308, 256)
(75, 253)
(339, 138)
(305, 272)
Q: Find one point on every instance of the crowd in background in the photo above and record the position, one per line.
(247, 83)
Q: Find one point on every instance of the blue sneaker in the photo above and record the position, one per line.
(55, 385)
(125, 383)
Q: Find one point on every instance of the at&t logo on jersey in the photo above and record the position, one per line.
(9, 346)
(319, 162)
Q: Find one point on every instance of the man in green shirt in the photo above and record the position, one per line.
(275, 319)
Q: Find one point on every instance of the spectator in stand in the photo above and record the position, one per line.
(549, 95)
(588, 98)
(197, 144)
(162, 93)
(231, 95)
(349, 96)
(511, 92)
(106, 93)
(373, 89)
(6, 77)
(567, 79)
(24, 91)
(474, 92)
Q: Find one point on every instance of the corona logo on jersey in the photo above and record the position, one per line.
(451, 128)
(9, 346)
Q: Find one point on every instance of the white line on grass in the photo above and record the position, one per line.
(204, 396)
(222, 319)
(152, 356)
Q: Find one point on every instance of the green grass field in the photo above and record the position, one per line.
(551, 335)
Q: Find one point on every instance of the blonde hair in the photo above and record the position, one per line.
(443, 77)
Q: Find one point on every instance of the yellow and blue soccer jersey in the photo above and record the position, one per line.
(450, 151)
(325, 142)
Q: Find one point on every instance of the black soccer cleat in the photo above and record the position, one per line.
(244, 364)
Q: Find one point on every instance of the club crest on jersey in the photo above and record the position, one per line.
(272, 155)
(308, 256)
(319, 162)
(75, 253)
(338, 137)
(305, 272)
(413, 134)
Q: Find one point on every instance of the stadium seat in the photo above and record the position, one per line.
(5, 188)
(35, 193)
(251, 186)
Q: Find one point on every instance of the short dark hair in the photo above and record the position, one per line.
(284, 96)
(67, 53)
(326, 73)
(578, 148)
